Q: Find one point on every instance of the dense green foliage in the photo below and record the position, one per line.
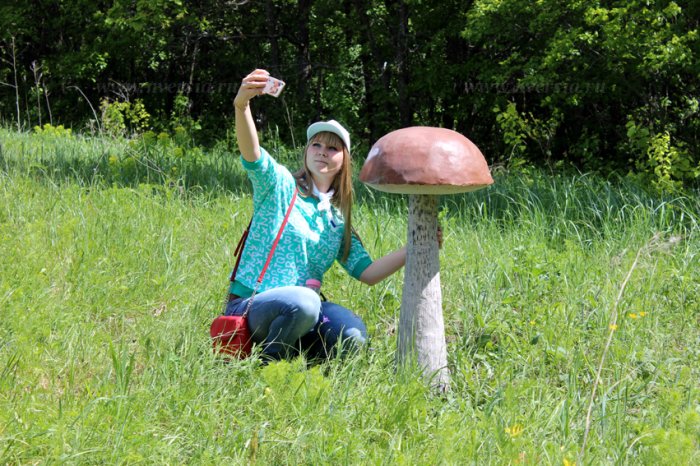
(112, 268)
(605, 85)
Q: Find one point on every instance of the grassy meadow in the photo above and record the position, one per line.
(114, 258)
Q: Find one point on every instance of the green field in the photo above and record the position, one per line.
(114, 258)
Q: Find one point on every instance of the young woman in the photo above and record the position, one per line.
(285, 315)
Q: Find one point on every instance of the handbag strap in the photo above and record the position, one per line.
(239, 249)
(241, 245)
(277, 239)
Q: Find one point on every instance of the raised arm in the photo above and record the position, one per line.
(246, 134)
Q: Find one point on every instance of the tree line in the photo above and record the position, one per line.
(603, 85)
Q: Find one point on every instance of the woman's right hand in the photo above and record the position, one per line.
(246, 135)
(251, 86)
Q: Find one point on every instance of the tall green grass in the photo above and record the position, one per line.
(109, 280)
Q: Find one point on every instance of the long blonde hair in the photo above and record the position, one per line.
(343, 196)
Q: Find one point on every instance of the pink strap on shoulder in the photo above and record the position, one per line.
(277, 238)
(241, 243)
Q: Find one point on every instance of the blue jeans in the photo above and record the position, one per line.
(290, 319)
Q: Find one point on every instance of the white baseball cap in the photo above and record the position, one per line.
(330, 126)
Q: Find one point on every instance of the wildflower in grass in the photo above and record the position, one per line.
(613, 327)
(569, 463)
(632, 315)
(514, 430)
(532, 322)
(642, 314)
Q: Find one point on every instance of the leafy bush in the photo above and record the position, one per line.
(667, 167)
(119, 118)
(53, 131)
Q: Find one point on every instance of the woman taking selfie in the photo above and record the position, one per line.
(286, 315)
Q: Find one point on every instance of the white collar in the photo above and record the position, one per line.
(324, 199)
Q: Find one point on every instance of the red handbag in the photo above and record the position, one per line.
(230, 334)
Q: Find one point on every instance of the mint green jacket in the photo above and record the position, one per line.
(310, 243)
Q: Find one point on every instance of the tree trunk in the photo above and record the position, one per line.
(402, 62)
(421, 326)
(304, 53)
(367, 49)
(271, 19)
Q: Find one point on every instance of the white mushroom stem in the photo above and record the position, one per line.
(421, 326)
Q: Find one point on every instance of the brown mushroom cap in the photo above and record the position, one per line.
(425, 160)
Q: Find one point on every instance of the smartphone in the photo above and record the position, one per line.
(273, 86)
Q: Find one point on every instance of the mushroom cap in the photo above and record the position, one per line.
(425, 160)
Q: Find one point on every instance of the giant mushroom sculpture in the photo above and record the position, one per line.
(424, 162)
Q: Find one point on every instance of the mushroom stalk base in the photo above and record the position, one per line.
(421, 328)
